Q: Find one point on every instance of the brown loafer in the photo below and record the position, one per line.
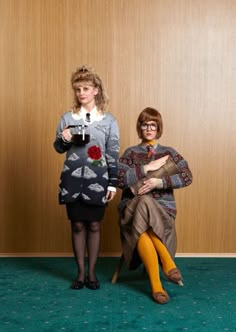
(160, 297)
(174, 276)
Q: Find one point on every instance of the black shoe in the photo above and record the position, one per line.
(92, 284)
(77, 284)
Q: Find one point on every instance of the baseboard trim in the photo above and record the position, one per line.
(37, 254)
(207, 255)
(114, 254)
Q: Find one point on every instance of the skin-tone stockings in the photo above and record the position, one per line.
(86, 235)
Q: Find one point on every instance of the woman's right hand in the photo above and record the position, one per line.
(149, 185)
(66, 135)
(155, 164)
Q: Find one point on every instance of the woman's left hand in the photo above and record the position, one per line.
(110, 195)
(149, 185)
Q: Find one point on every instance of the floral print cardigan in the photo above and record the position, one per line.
(89, 169)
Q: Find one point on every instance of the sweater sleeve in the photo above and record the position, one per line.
(59, 144)
(112, 153)
(183, 178)
(129, 172)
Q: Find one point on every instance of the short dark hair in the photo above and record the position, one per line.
(150, 114)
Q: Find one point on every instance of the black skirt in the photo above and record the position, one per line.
(80, 211)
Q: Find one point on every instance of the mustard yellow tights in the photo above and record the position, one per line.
(148, 255)
(149, 248)
(165, 258)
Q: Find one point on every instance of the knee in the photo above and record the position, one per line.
(94, 227)
(77, 227)
(144, 199)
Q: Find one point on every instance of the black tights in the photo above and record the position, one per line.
(86, 235)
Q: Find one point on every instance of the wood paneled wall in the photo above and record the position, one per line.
(175, 55)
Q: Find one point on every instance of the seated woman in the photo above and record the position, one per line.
(147, 208)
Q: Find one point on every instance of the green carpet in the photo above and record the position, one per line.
(35, 295)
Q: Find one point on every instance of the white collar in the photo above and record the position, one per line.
(94, 115)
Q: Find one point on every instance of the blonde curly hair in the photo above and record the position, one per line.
(87, 74)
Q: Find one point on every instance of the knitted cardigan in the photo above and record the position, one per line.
(130, 170)
(88, 169)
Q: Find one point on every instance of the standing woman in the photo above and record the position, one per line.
(147, 207)
(90, 137)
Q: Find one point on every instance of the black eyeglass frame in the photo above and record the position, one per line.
(152, 126)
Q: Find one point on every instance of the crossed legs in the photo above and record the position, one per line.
(151, 249)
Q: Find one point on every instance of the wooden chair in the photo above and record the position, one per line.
(117, 270)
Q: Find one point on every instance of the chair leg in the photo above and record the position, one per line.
(117, 270)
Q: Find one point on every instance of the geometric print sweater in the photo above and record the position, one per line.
(130, 170)
(90, 168)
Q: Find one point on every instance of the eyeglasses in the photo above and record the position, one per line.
(152, 126)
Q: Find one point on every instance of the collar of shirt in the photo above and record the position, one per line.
(94, 115)
(147, 145)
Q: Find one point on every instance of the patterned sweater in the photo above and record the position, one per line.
(130, 170)
(88, 169)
